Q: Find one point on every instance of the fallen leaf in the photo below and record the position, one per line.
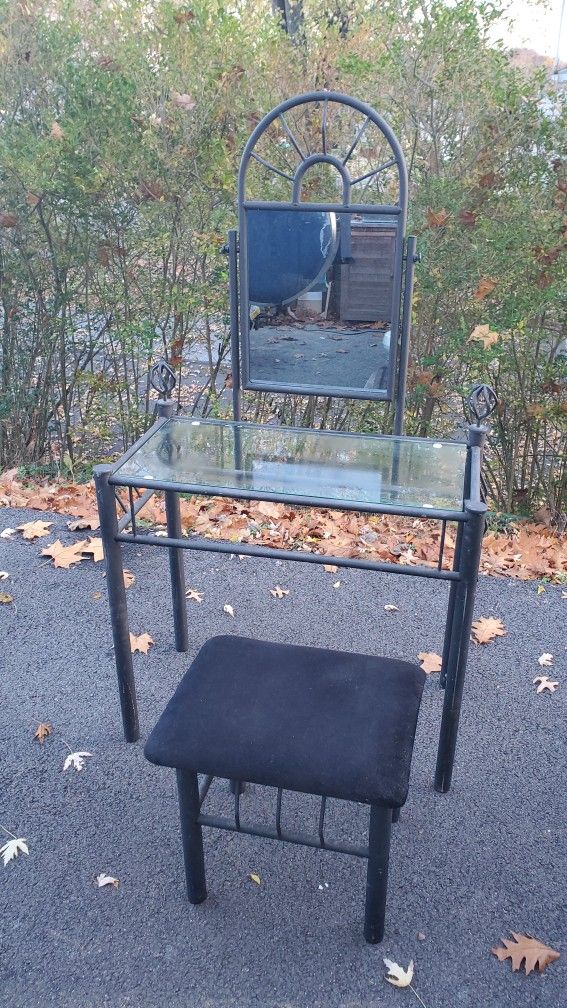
(467, 217)
(484, 335)
(34, 529)
(129, 578)
(5, 598)
(279, 592)
(563, 594)
(56, 131)
(255, 878)
(140, 643)
(540, 590)
(7, 533)
(64, 556)
(76, 760)
(545, 660)
(12, 848)
(193, 595)
(397, 975)
(97, 595)
(32, 200)
(42, 731)
(485, 287)
(545, 684)
(486, 629)
(526, 951)
(228, 609)
(8, 220)
(437, 218)
(391, 608)
(89, 522)
(337, 584)
(104, 880)
(94, 549)
(430, 662)
(4, 575)
(330, 568)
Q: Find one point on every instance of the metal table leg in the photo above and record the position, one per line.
(459, 649)
(117, 601)
(175, 531)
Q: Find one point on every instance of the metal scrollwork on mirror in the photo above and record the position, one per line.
(325, 271)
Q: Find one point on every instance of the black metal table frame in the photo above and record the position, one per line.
(462, 578)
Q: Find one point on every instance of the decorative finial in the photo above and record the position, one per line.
(162, 378)
(482, 401)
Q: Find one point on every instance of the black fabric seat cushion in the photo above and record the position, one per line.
(302, 718)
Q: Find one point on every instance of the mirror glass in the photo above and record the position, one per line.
(320, 295)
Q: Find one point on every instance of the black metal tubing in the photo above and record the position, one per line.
(320, 502)
(324, 158)
(165, 409)
(139, 504)
(234, 321)
(192, 835)
(302, 839)
(374, 209)
(405, 329)
(377, 873)
(117, 601)
(462, 618)
(216, 546)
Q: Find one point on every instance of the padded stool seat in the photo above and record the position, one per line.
(301, 718)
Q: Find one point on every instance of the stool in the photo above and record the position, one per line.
(305, 719)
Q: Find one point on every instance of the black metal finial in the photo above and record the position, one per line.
(482, 401)
(162, 378)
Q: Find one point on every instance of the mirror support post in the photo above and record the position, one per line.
(410, 260)
(234, 341)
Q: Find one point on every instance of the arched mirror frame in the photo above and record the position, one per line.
(403, 258)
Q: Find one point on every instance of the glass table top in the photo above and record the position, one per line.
(302, 466)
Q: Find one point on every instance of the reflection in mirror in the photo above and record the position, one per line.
(320, 291)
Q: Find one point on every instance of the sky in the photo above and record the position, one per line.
(537, 27)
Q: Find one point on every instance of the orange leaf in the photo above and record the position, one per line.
(526, 951)
(430, 662)
(437, 218)
(483, 334)
(8, 220)
(56, 131)
(140, 643)
(486, 629)
(34, 529)
(485, 287)
(42, 731)
(64, 556)
(94, 548)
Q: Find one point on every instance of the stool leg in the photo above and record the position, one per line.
(396, 815)
(192, 836)
(377, 872)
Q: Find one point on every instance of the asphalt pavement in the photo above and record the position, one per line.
(467, 868)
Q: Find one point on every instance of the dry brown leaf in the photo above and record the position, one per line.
(88, 522)
(96, 595)
(94, 548)
(8, 220)
(485, 287)
(486, 629)
(5, 598)
(56, 131)
(34, 529)
(140, 642)
(193, 595)
(526, 951)
(484, 335)
(129, 578)
(279, 592)
(330, 568)
(544, 683)
(437, 218)
(4, 576)
(337, 584)
(7, 533)
(430, 662)
(43, 730)
(391, 608)
(64, 556)
(255, 878)
(228, 610)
